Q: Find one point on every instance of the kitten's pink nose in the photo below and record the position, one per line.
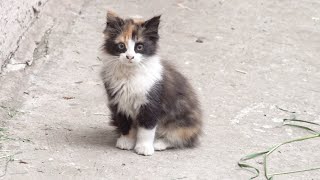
(129, 57)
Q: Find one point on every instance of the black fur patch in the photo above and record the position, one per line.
(112, 48)
(119, 120)
(150, 48)
(114, 26)
(179, 103)
(151, 28)
(150, 113)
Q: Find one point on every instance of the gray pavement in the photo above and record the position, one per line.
(256, 57)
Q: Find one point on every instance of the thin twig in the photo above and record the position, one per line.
(284, 110)
(100, 114)
(1, 157)
(9, 158)
(240, 71)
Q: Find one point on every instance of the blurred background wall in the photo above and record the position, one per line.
(16, 16)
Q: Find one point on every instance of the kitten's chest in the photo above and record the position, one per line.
(130, 94)
(129, 87)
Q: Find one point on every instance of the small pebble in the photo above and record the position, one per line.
(267, 126)
(259, 130)
(315, 18)
(199, 40)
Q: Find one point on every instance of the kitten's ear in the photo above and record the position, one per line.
(152, 23)
(114, 22)
(152, 26)
(112, 16)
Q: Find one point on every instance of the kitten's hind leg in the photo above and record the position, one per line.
(161, 144)
(184, 136)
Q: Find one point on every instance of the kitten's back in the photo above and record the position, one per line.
(182, 114)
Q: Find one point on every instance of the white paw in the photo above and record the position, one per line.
(144, 149)
(124, 142)
(160, 145)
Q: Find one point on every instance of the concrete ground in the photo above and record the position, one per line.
(256, 58)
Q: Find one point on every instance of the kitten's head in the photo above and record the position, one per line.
(131, 41)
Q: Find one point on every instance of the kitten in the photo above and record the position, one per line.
(152, 105)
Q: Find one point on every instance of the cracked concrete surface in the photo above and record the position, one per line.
(42, 48)
(251, 59)
(16, 18)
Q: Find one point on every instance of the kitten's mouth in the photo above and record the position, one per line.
(129, 63)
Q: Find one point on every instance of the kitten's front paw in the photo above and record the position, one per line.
(144, 149)
(124, 142)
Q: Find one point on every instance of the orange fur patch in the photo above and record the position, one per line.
(138, 21)
(186, 133)
(180, 134)
(127, 32)
(128, 29)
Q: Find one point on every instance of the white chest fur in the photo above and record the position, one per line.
(130, 84)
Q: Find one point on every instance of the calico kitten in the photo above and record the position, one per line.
(152, 105)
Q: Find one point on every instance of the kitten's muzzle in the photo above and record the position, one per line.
(129, 57)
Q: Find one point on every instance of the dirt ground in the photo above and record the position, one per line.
(257, 58)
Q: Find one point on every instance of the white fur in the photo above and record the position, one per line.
(131, 83)
(124, 142)
(161, 144)
(127, 141)
(145, 138)
(130, 50)
(137, 57)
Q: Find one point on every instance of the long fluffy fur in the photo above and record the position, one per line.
(147, 95)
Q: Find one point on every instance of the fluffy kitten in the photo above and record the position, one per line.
(153, 106)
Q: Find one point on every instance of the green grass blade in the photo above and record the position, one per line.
(254, 155)
(298, 120)
(243, 165)
(247, 167)
(286, 122)
(292, 172)
(279, 145)
(302, 127)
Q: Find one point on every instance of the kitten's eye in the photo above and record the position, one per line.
(140, 47)
(121, 46)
